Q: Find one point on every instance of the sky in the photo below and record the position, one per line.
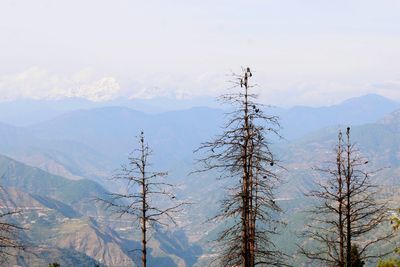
(309, 52)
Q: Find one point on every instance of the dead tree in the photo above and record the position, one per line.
(242, 155)
(146, 197)
(349, 213)
(327, 223)
(364, 213)
(10, 240)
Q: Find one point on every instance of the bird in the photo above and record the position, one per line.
(248, 71)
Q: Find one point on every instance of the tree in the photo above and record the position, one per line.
(242, 153)
(393, 262)
(10, 241)
(389, 263)
(356, 260)
(146, 197)
(346, 220)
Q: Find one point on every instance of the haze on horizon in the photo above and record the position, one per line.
(309, 52)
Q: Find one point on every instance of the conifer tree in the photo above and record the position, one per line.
(242, 155)
(345, 221)
(147, 197)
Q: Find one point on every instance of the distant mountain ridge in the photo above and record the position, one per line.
(298, 121)
(111, 130)
(62, 157)
(25, 112)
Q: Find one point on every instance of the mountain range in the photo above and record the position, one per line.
(56, 164)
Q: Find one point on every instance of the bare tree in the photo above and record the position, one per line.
(10, 241)
(147, 197)
(349, 214)
(327, 223)
(242, 153)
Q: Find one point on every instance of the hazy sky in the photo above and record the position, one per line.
(312, 52)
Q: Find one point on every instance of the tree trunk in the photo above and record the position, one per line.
(246, 185)
(348, 206)
(144, 208)
(340, 208)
